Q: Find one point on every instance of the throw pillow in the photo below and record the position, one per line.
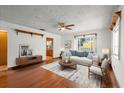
(78, 54)
(90, 55)
(85, 54)
(73, 52)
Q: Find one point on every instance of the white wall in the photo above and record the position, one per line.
(118, 65)
(37, 43)
(103, 39)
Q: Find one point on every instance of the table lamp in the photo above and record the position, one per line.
(105, 52)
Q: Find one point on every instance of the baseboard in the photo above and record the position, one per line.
(56, 57)
(3, 68)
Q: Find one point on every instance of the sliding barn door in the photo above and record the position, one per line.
(3, 48)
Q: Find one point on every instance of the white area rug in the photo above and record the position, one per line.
(80, 75)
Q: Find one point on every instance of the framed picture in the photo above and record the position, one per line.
(68, 44)
(23, 50)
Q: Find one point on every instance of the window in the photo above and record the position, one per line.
(85, 42)
(115, 42)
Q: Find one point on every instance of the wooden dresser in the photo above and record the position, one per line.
(28, 60)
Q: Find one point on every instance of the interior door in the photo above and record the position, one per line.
(3, 48)
(49, 48)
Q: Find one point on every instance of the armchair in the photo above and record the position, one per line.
(99, 70)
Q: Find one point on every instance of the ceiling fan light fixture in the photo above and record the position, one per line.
(63, 28)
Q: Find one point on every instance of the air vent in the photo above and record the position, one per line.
(42, 29)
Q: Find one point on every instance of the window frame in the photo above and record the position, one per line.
(76, 41)
(116, 30)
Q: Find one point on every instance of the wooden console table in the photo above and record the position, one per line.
(28, 60)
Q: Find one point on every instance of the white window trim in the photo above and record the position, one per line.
(115, 29)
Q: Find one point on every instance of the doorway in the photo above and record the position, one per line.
(3, 50)
(49, 48)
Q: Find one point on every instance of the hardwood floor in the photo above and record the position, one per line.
(110, 81)
(33, 76)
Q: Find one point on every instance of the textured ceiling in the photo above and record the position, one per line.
(84, 17)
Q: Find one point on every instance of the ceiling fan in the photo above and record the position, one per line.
(63, 27)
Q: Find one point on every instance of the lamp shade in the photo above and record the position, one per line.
(105, 51)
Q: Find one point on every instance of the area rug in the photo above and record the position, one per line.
(80, 75)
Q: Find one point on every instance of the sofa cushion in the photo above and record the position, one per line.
(81, 60)
(85, 54)
(73, 52)
(81, 54)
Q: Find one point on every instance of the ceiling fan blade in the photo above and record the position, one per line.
(68, 28)
(69, 25)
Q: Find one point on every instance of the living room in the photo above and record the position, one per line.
(29, 29)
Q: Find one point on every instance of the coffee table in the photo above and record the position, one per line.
(70, 64)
